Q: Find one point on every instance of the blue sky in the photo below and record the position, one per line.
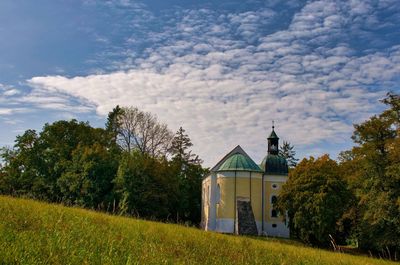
(221, 69)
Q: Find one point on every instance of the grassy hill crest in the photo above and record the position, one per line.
(37, 233)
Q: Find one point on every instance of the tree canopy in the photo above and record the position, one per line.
(356, 199)
(376, 166)
(122, 168)
(137, 166)
(136, 129)
(315, 198)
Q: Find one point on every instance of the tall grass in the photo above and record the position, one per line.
(37, 233)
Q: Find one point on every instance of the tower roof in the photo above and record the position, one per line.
(273, 163)
(273, 134)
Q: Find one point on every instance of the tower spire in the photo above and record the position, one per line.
(273, 141)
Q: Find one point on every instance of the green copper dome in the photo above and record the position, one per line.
(274, 165)
(239, 162)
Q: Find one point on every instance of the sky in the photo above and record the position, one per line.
(223, 70)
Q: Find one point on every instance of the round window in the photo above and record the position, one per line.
(274, 186)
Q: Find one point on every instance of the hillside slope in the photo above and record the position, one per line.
(38, 233)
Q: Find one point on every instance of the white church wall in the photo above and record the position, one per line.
(274, 226)
(205, 201)
(225, 225)
(280, 229)
(259, 227)
(213, 207)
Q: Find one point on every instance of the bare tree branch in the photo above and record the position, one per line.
(142, 130)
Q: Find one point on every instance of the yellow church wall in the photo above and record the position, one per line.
(256, 192)
(225, 207)
(243, 185)
(226, 181)
(220, 215)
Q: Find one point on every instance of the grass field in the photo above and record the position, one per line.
(38, 233)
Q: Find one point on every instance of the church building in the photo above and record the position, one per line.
(238, 195)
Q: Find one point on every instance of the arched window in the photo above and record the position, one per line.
(274, 213)
(274, 199)
(218, 197)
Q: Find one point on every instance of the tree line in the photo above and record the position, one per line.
(355, 200)
(137, 166)
(133, 166)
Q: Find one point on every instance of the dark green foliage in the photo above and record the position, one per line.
(189, 174)
(36, 163)
(373, 172)
(112, 123)
(19, 177)
(87, 180)
(142, 186)
(112, 126)
(315, 198)
(357, 200)
(288, 152)
(76, 164)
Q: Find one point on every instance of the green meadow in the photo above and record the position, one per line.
(37, 233)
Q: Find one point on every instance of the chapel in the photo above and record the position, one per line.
(238, 195)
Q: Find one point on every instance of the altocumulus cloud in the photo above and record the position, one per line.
(225, 76)
(8, 95)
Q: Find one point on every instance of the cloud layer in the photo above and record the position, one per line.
(224, 76)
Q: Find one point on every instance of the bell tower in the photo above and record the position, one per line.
(273, 142)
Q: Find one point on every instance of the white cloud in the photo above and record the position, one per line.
(226, 90)
(11, 92)
(8, 91)
(4, 111)
(10, 111)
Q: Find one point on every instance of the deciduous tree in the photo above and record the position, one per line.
(88, 178)
(315, 197)
(377, 183)
(141, 130)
